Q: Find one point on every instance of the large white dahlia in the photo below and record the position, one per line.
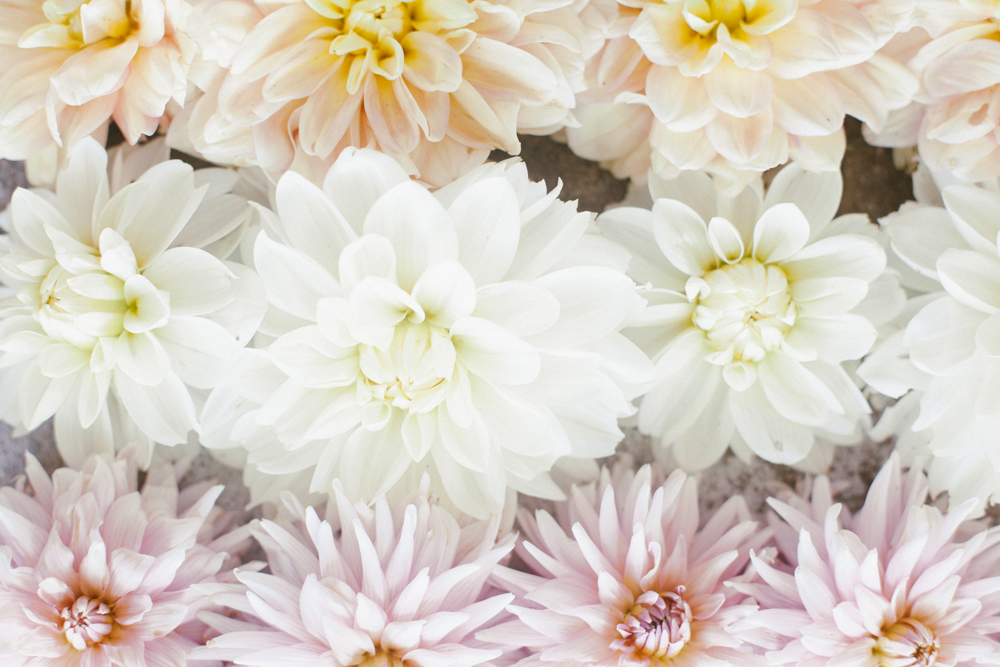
(71, 66)
(435, 83)
(625, 578)
(899, 584)
(952, 339)
(753, 306)
(113, 312)
(95, 572)
(392, 585)
(955, 117)
(737, 87)
(472, 333)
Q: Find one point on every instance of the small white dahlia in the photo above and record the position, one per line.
(471, 333)
(96, 573)
(899, 584)
(736, 87)
(754, 304)
(435, 83)
(390, 586)
(71, 66)
(955, 115)
(625, 578)
(113, 311)
(953, 338)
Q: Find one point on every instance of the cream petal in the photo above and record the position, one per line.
(503, 71)
(197, 282)
(356, 181)
(491, 352)
(781, 232)
(740, 139)
(483, 123)
(680, 102)
(522, 308)
(200, 350)
(965, 68)
(971, 277)
(808, 107)
(974, 213)
(432, 64)
(313, 224)
(942, 334)
(739, 92)
(169, 204)
(142, 358)
(683, 237)
(82, 187)
(849, 255)
(593, 302)
(446, 292)
(393, 113)
(835, 339)
(770, 436)
(373, 461)
(816, 194)
(320, 131)
(796, 393)
(164, 412)
(487, 221)
(295, 282)
(268, 44)
(96, 70)
(303, 70)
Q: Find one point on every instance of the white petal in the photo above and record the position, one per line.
(165, 412)
(490, 351)
(488, 224)
(356, 181)
(780, 233)
(683, 237)
(295, 282)
(312, 223)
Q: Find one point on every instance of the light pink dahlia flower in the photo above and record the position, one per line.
(899, 584)
(389, 586)
(94, 573)
(626, 578)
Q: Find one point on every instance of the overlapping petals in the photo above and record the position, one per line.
(754, 305)
(115, 307)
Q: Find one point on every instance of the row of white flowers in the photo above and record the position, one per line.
(487, 333)
(733, 87)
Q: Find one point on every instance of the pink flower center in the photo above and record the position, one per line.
(659, 625)
(86, 622)
(908, 643)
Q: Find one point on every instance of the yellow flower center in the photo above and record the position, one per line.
(907, 643)
(86, 622)
(658, 626)
(73, 24)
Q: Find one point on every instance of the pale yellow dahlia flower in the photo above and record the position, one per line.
(71, 65)
(736, 87)
(435, 83)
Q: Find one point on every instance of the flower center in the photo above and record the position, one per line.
(74, 24)
(369, 33)
(659, 625)
(411, 375)
(382, 658)
(86, 622)
(907, 643)
(745, 309)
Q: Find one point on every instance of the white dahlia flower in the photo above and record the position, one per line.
(951, 340)
(472, 332)
(69, 67)
(113, 312)
(753, 306)
(625, 578)
(955, 115)
(96, 573)
(899, 584)
(391, 585)
(737, 87)
(435, 83)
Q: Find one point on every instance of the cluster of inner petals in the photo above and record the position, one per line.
(381, 658)
(745, 309)
(907, 643)
(372, 34)
(86, 622)
(411, 375)
(75, 24)
(658, 625)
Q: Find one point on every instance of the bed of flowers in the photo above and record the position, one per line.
(310, 253)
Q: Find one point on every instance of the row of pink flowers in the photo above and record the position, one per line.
(97, 573)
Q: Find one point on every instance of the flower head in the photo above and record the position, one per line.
(471, 333)
(114, 309)
(435, 83)
(395, 585)
(69, 67)
(898, 583)
(754, 304)
(736, 87)
(625, 577)
(96, 572)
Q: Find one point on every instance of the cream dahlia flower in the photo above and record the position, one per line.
(955, 116)
(898, 584)
(94, 573)
(951, 338)
(71, 66)
(113, 312)
(471, 333)
(391, 585)
(737, 87)
(753, 306)
(625, 578)
(435, 83)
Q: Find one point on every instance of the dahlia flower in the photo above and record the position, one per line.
(471, 333)
(625, 577)
(736, 87)
(898, 583)
(949, 339)
(69, 67)
(94, 572)
(391, 585)
(435, 83)
(113, 311)
(753, 306)
(954, 116)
